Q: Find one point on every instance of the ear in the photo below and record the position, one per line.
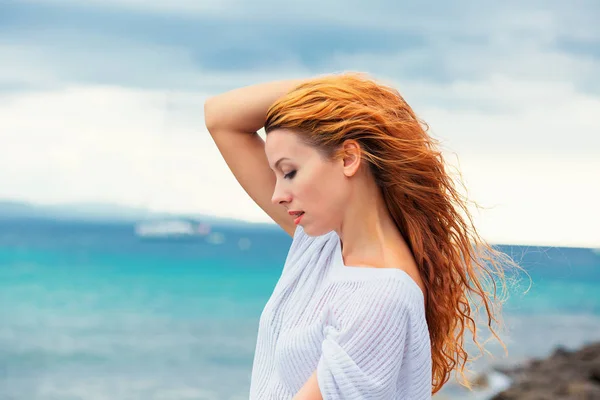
(351, 157)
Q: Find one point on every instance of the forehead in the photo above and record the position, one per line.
(283, 143)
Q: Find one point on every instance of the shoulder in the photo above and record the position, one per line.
(376, 300)
(381, 285)
(375, 312)
(395, 289)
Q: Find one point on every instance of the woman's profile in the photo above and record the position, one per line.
(385, 265)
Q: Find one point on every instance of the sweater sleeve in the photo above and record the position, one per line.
(363, 348)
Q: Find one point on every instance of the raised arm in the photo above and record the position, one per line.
(233, 118)
(244, 110)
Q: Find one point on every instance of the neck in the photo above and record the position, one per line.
(367, 229)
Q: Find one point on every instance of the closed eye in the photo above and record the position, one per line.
(290, 175)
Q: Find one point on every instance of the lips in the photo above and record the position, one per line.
(298, 218)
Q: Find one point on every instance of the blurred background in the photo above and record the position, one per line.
(133, 265)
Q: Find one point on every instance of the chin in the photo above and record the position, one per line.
(312, 232)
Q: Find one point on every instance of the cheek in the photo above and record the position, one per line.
(321, 193)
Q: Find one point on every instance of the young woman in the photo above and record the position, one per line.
(376, 291)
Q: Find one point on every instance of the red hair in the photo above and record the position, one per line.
(457, 266)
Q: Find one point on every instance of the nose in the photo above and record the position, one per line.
(280, 196)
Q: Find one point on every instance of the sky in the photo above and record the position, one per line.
(102, 101)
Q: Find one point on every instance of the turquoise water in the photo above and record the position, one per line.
(90, 311)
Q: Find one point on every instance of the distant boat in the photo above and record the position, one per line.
(171, 228)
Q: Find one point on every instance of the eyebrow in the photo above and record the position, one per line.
(280, 160)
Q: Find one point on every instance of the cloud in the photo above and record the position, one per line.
(534, 200)
(530, 119)
(104, 143)
(211, 42)
(432, 40)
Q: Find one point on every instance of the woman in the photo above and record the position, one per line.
(375, 293)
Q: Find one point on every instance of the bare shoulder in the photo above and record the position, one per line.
(400, 258)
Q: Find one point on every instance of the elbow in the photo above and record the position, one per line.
(211, 115)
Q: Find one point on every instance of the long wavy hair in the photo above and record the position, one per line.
(461, 271)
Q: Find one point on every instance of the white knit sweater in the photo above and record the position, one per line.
(362, 329)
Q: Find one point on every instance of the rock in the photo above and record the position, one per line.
(595, 373)
(564, 375)
(583, 390)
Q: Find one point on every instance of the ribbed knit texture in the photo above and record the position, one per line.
(362, 329)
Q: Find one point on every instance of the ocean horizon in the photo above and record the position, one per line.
(92, 311)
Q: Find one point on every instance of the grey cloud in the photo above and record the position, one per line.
(219, 44)
(433, 40)
(178, 47)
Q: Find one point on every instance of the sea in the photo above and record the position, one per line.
(90, 310)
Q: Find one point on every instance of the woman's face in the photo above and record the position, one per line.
(306, 182)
